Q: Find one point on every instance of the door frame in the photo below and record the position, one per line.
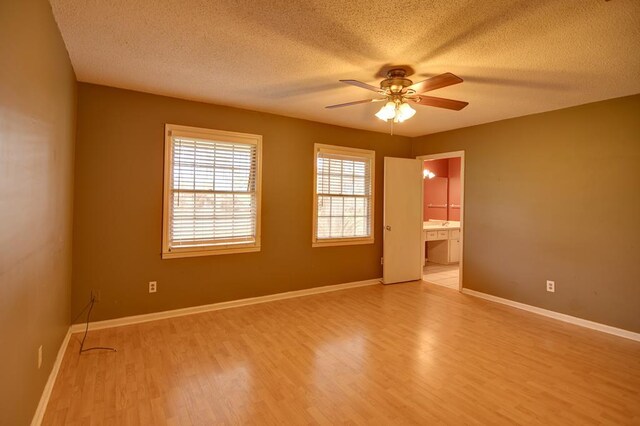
(440, 156)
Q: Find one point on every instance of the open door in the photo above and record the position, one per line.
(402, 245)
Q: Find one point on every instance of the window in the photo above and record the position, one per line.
(343, 196)
(211, 192)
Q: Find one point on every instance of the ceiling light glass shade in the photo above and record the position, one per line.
(405, 112)
(387, 112)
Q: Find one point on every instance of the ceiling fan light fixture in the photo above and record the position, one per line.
(387, 112)
(405, 112)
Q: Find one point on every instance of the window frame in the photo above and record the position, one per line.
(208, 134)
(353, 152)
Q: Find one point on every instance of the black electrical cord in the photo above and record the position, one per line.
(86, 329)
(82, 311)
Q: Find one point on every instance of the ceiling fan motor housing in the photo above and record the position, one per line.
(396, 81)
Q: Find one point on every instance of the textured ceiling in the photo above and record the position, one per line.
(286, 57)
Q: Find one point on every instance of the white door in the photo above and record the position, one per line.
(402, 247)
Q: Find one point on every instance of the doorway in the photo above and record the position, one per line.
(443, 218)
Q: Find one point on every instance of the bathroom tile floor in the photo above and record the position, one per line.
(444, 275)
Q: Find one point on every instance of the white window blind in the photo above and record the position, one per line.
(344, 200)
(213, 195)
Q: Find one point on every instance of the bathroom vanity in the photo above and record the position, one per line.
(442, 239)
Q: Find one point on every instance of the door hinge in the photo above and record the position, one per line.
(382, 260)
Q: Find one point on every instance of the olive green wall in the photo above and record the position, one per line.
(554, 196)
(548, 196)
(37, 125)
(118, 207)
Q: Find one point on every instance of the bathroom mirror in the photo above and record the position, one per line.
(442, 189)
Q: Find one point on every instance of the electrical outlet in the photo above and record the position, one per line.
(40, 357)
(551, 286)
(95, 295)
(153, 286)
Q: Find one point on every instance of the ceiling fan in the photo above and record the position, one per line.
(399, 91)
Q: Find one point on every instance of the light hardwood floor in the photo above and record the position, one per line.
(410, 353)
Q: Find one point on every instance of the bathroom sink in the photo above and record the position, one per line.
(435, 225)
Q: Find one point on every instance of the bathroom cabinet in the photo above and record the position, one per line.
(443, 245)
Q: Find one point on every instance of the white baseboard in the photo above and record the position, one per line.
(136, 319)
(48, 387)
(557, 315)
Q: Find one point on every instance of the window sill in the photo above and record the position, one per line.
(342, 242)
(208, 252)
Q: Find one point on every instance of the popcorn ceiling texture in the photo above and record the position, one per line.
(517, 57)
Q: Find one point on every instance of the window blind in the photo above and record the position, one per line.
(213, 198)
(344, 202)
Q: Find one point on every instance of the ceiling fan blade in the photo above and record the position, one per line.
(437, 82)
(363, 85)
(352, 103)
(440, 102)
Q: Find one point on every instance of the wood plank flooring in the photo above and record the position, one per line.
(412, 353)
